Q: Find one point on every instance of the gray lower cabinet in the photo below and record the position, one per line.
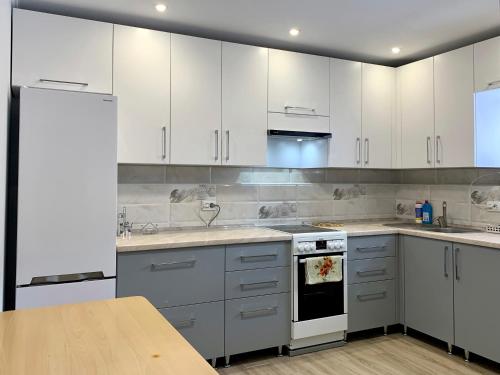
(371, 305)
(371, 247)
(477, 300)
(258, 282)
(428, 274)
(257, 323)
(252, 256)
(366, 270)
(201, 324)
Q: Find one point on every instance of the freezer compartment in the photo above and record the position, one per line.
(58, 294)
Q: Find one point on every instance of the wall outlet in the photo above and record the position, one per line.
(205, 204)
(493, 206)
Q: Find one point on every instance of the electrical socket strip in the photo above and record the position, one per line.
(493, 228)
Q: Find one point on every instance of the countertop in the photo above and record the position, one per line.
(122, 336)
(199, 237)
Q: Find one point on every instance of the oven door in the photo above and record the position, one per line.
(319, 300)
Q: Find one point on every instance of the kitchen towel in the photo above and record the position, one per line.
(324, 269)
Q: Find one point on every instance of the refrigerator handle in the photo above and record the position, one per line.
(67, 278)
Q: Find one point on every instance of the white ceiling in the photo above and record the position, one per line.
(357, 29)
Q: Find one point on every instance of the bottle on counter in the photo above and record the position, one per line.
(418, 212)
(427, 213)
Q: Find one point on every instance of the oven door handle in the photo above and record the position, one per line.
(305, 259)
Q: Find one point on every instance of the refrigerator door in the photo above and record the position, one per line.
(57, 294)
(67, 184)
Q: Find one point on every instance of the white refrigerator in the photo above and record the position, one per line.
(66, 197)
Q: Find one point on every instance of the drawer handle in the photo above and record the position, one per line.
(160, 266)
(372, 296)
(253, 257)
(259, 312)
(261, 284)
(184, 323)
(381, 271)
(63, 82)
(288, 107)
(371, 248)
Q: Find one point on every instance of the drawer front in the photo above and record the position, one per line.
(365, 270)
(262, 255)
(371, 305)
(257, 323)
(258, 282)
(371, 247)
(202, 325)
(169, 278)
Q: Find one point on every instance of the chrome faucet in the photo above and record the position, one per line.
(443, 220)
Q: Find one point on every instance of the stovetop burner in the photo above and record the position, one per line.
(299, 229)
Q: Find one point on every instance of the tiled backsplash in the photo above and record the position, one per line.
(171, 196)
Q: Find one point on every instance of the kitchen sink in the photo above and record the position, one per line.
(432, 228)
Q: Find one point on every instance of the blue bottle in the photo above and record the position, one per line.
(426, 213)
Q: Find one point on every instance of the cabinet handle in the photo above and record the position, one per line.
(184, 323)
(264, 311)
(380, 271)
(358, 150)
(244, 257)
(457, 276)
(371, 248)
(446, 261)
(163, 142)
(372, 296)
(244, 285)
(428, 150)
(438, 140)
(64, 82)
(159, 266)
(367, 151)
(216, 157)
(287, 107)
(493, 83)
(227, 145)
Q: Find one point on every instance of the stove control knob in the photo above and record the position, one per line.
(338, 244)
(330, 245)
(309, 247)
(342, 245)
(300, 247)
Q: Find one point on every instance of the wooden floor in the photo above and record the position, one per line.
(390, 355)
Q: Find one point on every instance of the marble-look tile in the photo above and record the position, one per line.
(314, 209)
(414, 192)
(279, 221)
(238, 210)
(379, 206)
(271, 175)
(458, 193)
(342, 175)
(143, 193)
(141, 174)
(277, 193)
(278, 210)
(349, 208)
(381, 191)
(307, 175)
(378, 176)
(187, 214)
(419, 176)
(190, 193)
(456, 176)
(405, 209)
(488, 176)
(460, 211)
(237, 193)
(144, 213)
(348, 192)
(314, 192)
(482, 215)
(231, 175)
(187, 175)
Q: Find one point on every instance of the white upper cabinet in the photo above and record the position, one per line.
(298, 83)
(61, 52)
(417, 114)
(244, 104)
(454, 108)
(345, 114)
(196, 101)
(378, 92)
(141, 81)
(487, 64)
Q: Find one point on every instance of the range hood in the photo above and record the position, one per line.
(298, 134)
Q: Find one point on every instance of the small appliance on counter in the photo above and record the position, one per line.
(319, 310)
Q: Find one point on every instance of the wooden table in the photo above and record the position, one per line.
(121, 336)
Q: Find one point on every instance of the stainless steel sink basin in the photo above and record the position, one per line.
(432, 228)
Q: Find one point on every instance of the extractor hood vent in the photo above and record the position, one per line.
(298, 134)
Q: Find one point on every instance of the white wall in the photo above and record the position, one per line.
(5, 31)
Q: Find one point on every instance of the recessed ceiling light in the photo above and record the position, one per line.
(161, 8)
(294, 31)
(395, 50)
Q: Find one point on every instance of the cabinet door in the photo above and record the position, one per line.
(298, 83)
(378, 92)
(477, 300)
(487, 64)
(196, 101)
(429, 287)
(454, 108)
(61, 52)
(345, 113)
(244, 104)
(417, 114)
(141, 81)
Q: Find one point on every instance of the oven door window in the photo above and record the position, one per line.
(319, 300)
